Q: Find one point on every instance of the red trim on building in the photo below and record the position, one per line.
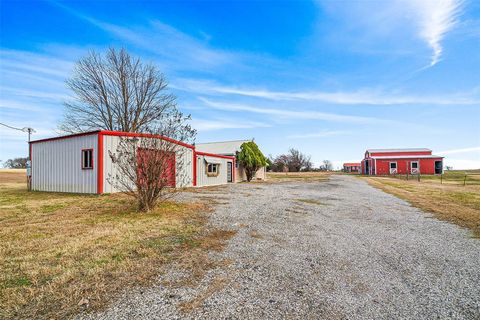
(214, 155)
(100, 163)
(194, 168)
(145, 135)
(118, 134)
(351, 164)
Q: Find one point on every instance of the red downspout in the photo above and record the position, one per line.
(233, 169)
(100, 163)
(194, 168)
(29, 182)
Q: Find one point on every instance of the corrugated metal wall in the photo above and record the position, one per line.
(203, 179)
(183, 160)
(57, 165)
(240, 174)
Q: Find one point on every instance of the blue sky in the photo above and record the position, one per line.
(330, 78)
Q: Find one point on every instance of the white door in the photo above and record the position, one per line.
(229, 172)
(414, 167)
(393, 168)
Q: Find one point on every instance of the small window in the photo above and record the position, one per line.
(414, 165)
(87, 159)
(393, 165)
(212, 168)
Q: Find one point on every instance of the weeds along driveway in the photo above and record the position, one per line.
(326, 250)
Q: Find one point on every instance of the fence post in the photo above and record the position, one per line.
(418, 175)
(465, 180)
(441, 178)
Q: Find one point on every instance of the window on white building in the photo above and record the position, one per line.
(87, 159)
(212, 169)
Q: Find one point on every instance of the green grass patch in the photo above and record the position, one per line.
(51, 207)
(16, 282)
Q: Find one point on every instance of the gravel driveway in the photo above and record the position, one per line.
(323, 250)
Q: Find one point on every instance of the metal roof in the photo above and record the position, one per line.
(228, 148)
(400, 150)
(425, 156)
(116, 133)
(212, 159)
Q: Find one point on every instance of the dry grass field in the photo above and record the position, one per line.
(451, 177)
(62, 253)
(451, 202)
(297, 176)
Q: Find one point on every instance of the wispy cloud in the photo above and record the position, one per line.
(177, 49)
(20, 106)
(293, 114)
(222, 124)
(464, 150)
(359, 97)
(170, 43)
(53, 96)
(388, 27)
(320, 134)
(32, 90)
(436, 19)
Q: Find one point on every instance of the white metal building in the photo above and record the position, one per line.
(230, 148)
(80, 163)
(213, 169)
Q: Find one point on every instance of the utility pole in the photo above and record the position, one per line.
(29, 162)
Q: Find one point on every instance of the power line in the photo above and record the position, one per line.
(25, 129)
(6, 125)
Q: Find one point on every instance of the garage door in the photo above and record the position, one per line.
(156, 163)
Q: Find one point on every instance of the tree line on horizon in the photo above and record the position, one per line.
(295, 161)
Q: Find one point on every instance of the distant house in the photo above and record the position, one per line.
(230, 148)
(80, 163)
(352, 167)
(401, 161)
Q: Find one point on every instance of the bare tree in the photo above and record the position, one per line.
(297, 160)
(326, 165)
(146, 166)
(307, 165)
(280, 163)
(294, 161)
(116, 92)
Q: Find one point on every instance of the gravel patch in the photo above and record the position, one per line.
(353, 252)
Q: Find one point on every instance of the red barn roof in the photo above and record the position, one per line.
(400, 150)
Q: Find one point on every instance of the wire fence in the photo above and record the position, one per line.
(448, 177)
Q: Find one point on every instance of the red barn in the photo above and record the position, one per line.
(352, 167)
(401, 161)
